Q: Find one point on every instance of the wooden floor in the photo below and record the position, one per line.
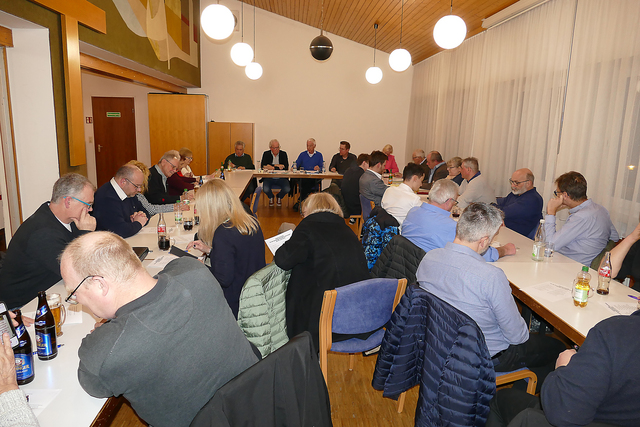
(353, 401)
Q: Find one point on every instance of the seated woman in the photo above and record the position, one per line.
(230, 236)
(186, 157)
(323, 253)
(151, 208)
(625, 258)
(178, 182)
(391, 166)
(454, 166)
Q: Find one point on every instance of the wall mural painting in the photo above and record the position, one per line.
(169, 25)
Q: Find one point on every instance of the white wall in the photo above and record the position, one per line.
(93, 85)
(298, 97)
(29, 63)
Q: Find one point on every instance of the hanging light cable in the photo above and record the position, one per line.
(400, 59)
(374, 74)
(217, 21)
(254, 70)
(241, 53)
(450, 31)
(321, 47)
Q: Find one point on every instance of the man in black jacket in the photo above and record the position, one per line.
(157, 192)
(275, 159)
(351, 184)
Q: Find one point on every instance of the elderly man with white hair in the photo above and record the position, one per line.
(157, 191)
(171, 340)
(475, 187)
(430, 226)
(523, 206)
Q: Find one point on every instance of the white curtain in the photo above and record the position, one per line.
(554, 89)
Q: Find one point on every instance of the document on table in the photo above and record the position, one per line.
(549, 291)
(623, 308)
(162, 261)
(40, 398)
(275, 242)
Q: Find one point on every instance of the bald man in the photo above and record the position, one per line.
(523, 206)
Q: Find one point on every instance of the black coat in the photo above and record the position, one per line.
(157, 193)
(323, 253)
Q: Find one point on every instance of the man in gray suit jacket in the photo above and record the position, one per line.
(371, 185)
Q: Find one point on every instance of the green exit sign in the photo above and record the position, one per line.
(113, 114)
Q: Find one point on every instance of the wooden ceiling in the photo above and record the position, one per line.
(354, 19)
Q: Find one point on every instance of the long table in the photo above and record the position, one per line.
(238, 179)
(524, 274)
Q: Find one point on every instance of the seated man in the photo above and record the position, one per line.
(241, 160)
(342, 161)
(523, 206)
(170, 341)
(309, 160)
(371, 185)
(475, 187)
(157, 191)
(116, 207)
(419, 158)
(430, 225)
(588, 228)
(399, 200)
(275, 159)
(598, 384)
(460, 276)
(437, 169)
(31, 264)
(351, 185)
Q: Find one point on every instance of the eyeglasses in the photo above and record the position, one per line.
(174, 167)
(89, 205)
(139, 187)
(71, 299)
(455, 202)
(555, 193)
(512, 182)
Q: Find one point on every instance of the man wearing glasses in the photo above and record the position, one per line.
(116, 208)
(523, 206)
(157, 192)
(588, 228)
(429, 226)
(31, 264)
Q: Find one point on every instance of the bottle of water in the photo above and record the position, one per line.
(538, 243)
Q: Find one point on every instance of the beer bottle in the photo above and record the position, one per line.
(45, 329)
(23, 353)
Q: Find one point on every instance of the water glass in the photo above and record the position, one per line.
(549, 249)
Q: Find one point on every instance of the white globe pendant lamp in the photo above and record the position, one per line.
(374, 74)
(400, 59)
(241, 53)
(217, 21)
(253, 70)
(450, 31)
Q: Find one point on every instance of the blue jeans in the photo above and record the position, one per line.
(281, 183)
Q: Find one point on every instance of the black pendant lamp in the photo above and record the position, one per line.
(321, 47)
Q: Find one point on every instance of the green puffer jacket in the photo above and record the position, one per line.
(262, 313)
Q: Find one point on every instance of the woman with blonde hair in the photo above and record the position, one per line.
(391, 165)
(323, 253)
(454, 167)
(151, 208)
(230, 236)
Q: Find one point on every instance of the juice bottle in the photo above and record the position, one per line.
(581, 291)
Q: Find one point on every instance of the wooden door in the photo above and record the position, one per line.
(114, 130)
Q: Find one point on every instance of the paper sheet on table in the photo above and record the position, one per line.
(275, 242)
(153, 230)
(40, 398)
(183, 239)
(549, 291)
(624, 308)
(74, 314)
(162, 261)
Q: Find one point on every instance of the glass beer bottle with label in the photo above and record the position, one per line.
(45, 329)
(23, 353)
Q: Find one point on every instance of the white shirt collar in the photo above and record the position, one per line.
(119, 191)
(375, 173)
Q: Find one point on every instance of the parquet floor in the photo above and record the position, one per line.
(354, 403)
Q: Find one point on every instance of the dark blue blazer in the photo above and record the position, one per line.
(113, 214)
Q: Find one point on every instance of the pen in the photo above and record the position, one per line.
(35, 353)
(634, 297)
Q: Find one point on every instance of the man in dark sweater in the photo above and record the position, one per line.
(351, 184)
(596, 386)
(171, 341)
(31, 264)
(157, 191)
(342, 161)
(241, 160)
(116, 208)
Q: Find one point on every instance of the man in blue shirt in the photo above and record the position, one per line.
(460, 276)
(430, 226)
(523, 206)
(588, 228)
(310, 160)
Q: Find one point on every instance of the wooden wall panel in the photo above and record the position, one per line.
(177, 121)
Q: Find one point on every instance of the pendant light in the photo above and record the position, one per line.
(400, 59)
(217, 21)
(374, 74)
(321, 47)
(241, 53)
(450, 31)
(253, 70)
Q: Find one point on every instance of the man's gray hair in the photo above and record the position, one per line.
(170, 155)
(241, 143)
(471, 162)
(126, 171)
(69, 185)
(312, 140)
(419, 152)
(531, 178)
(479, 220)
(443, 190)
(273, 141)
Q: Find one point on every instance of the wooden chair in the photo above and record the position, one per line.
(367, 206)
(255, 199)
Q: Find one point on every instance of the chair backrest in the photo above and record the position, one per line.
(255, 199)
(365, 204)
(595, 264)
(400, 258)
